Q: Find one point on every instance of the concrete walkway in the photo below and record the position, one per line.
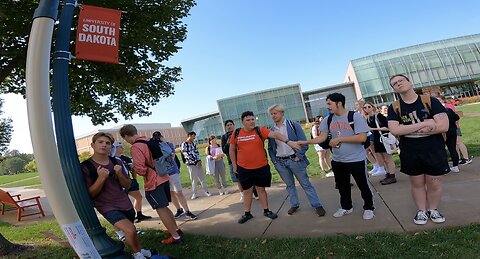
(218, 215)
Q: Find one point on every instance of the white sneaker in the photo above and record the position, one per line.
(225, 192)
(421, 218)
(241, 196)
(331, 174)
(379, 171)
(371, 172)
(368, 214)
(454, 169)
(435, 216)
(220, 193)
(194, 196)
(138, 255)
(208, 194)
(341, 212)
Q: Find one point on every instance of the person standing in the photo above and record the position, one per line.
(194, 164)
(378, 124)
(230, 126)
(323, 154)
(175, 185)
(134, 189)
(348, 153)
(157, 188)
(290, 163)
(249, 161)
(105, 177)
(423, 157)
(216, 155)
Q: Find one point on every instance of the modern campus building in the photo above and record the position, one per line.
(446, 67)
(176, 135)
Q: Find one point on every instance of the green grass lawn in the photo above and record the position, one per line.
(4, 179)
(454, 242)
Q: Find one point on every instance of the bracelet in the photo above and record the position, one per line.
(286, 141)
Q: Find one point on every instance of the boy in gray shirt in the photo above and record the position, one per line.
(348, 153)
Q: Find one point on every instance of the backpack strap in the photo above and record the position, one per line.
(396, 108)
(351, 122)
(329, 121)
(427, 102)
(237, 131)
(292, 125)
(92, 171)
(257, 130)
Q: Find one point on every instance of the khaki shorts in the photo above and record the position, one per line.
(175, 184)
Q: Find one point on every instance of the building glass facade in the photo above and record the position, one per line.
(204, 126)
(258, 102)
(452, 65)
(315, 100)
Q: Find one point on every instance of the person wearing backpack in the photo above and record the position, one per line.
(420, 121)
(194, 164)
(175, 185)
(290, 163)
(105, 178)
(250, 162)
(348, 136)
(230, 127)
(157, 188)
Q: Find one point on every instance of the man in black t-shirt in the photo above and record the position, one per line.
(230, 127)
(420, 126)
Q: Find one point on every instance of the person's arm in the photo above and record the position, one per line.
(398, 129)
(440, 125)
(284, 139)
(301, 136)
(317, 140)
(97, 186)
(357, 138)
(233, 156)
(139, 161)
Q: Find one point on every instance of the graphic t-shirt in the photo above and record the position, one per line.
(251, 152)
(339, 127)
(414, 113)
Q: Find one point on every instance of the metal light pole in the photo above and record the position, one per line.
(107, 247)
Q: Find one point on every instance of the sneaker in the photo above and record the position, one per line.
(388, 180)
(270, 214)
(341, 212)
(368, 214)
(241, 197)
(256, 197)
(292, 210)
(191, 216)
(454, 169)
(141, 217)
(421, 218)
(435, 216)
(225, 192)
(245, 218)
(320, 211)
(138, 255)
(379, 171)
(194, 196)
(140, 232)
(462, 161)
(179, 232)
(371, 172)
(171, 241)
(208, 194)
(221, 193)
(179, 213)
(331, 174)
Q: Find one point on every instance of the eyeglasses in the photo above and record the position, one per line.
(398, 81)
(367, 107)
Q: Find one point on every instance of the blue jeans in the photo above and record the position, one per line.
(287, 168)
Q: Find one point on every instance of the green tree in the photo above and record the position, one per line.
(151, 33)
(13, 165)
(84, 156)
(6, 130)
(31, 167)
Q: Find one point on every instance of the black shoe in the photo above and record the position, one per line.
(141, 217)
(270, 214)
(179, 213)
(245, 218)
(191, 216)
(292, 210)
(320, 211)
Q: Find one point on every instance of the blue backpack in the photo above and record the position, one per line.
(162, 155)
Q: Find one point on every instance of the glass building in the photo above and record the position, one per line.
(204, 126)
(447, 67)
(315, 100)
(258, 102)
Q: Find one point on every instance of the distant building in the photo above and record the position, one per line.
(176, 135)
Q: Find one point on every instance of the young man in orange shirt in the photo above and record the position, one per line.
(249, 161)
(157, 188)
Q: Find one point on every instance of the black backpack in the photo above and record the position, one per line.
(92, 171)
(326, 143)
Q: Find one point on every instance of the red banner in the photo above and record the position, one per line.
(97, 34)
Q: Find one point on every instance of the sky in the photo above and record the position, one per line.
(242, 46)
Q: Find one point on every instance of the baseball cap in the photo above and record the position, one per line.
(157, 134)
(117, 144)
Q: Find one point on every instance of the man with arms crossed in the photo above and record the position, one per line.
(249, 161)
(105, 181)
(348, 154)
(423, 155)
(290, 163)
(157, 188)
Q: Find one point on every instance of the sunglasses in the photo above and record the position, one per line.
(367, 107)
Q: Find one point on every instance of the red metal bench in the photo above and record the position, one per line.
(19, 204)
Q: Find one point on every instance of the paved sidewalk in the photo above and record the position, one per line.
(218, 215)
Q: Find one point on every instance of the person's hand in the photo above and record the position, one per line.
(234, 167)
(302, 142)
(429, 126)
(118, 169)
(103, 173)
(199, 164)
(296, 159)
(335, 143)
(294, 145)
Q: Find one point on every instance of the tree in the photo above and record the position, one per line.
(151, 31)
(6, 130)
(31, 167)
(12, 165)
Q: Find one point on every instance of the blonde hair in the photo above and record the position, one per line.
(276, 107)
